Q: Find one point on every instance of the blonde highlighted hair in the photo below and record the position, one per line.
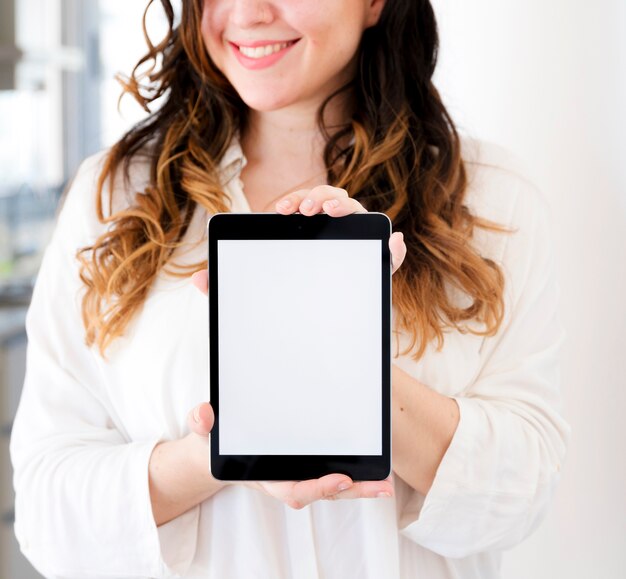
(399, 154)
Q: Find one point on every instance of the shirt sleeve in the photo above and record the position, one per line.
(495, 481)
(82, 506)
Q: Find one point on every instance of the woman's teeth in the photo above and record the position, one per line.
(261, 51)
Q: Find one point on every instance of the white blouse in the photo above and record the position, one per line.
(86, 427)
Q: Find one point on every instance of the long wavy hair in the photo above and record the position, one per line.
(398, 154)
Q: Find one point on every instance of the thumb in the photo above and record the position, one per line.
(200, 420)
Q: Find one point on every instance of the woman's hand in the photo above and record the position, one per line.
(336, 203)
(331, 200)
(295, 494)
(178, 471)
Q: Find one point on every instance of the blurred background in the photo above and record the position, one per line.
(546, 80)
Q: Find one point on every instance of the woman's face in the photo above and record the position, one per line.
(278, 53)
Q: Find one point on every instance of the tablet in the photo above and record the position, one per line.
(299, 346)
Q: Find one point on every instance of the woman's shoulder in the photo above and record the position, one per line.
(500, 190)
(124, 185)
(78, 208)
(499, 187)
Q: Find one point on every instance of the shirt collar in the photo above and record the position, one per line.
(232, 163)
(233, 160)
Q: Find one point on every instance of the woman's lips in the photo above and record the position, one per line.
(261, 54)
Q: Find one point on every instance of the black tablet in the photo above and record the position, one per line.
(299, 346)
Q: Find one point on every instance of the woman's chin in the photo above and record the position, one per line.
(266, 103)
(270, 96)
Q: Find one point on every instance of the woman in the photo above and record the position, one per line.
(288, 105)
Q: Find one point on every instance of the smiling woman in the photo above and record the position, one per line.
(320, 55)
(309, 107)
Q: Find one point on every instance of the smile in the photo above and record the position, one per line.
(261, 54)
(261, 51)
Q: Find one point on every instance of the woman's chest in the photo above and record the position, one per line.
(158, 371)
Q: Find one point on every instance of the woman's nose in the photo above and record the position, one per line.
(249, 13)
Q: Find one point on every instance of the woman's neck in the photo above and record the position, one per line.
(284, 151)
(281, 137)
(291, 134)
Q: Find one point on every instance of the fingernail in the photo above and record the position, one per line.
(384, 495)
(196, 414)
(344, 486)
(284, 204)
(308, 203)
(332, 203)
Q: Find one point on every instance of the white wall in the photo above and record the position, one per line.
(547, 79)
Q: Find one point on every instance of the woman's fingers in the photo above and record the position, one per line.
(200, 420)
(342, 206)
(366, 490)
(398, 250)
(201, 280)
(331, 487)
(308, 491)
(312, 201)
(336, 203)
(302, 493)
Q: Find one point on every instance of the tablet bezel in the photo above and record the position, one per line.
(263, 226)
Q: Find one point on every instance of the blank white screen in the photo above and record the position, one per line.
(300, 347)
